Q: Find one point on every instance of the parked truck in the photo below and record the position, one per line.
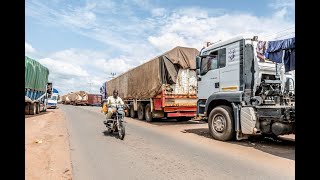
(81, 98)
(75, 98)
(37, 88)
(240, 96)
(65, 99)
(94, 99)
(163, 87)
(53, 99)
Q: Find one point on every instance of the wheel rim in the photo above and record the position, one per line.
(219, 123)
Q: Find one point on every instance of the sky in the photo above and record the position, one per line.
(82, 42)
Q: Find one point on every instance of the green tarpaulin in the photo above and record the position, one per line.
(36, 75)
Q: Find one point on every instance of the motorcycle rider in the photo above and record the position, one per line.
(111, 102)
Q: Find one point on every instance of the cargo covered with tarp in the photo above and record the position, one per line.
(145, 81)
(36, 75)
(78, 96)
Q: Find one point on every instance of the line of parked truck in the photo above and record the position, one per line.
(225, 84)
(81, 98)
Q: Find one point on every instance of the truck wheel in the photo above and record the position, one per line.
(44, 108)
(127, 113)
(133, 113)
(38, 108)
(32, 108)
(148, 113)
(26, 108)
(221, 125)
(140, 111)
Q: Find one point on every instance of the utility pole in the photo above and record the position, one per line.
(90, 83)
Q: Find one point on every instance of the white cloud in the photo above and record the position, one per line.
(80, 17)
(285, 9)
(192, 30)
(117, 65)
(167, 41)
(282, 3)
(29, 48)
(131, 40)
(66, 69)
(76, 69)
(158, 12)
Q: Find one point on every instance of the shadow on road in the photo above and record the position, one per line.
(170, 122)
(281, 147)
(41, 113)
(114, 134)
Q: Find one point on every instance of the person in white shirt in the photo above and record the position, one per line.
(112, 101)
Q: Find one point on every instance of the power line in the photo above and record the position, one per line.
(279, 32)
(284, 35)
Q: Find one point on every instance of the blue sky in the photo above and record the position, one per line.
(83, 41)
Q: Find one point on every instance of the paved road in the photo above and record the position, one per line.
(156, 151)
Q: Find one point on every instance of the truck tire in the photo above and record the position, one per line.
(221, 124)
(38, 108)
(44, 108)
(26, 108)
(32, 108)
(127, 113)
(141, 111)
(148, 113)
(133, 114)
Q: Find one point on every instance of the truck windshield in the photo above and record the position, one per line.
(54, 98)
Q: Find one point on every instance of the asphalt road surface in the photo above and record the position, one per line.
(168, 150)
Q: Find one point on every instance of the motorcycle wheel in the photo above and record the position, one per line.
(121, 131)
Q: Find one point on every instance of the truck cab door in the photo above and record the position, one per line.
(208, 81)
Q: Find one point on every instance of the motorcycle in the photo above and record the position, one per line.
(115, 124)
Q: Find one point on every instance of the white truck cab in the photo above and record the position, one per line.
(239, 95)
(53, 99)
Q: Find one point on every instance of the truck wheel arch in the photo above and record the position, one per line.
(215, 103)
(222, 98)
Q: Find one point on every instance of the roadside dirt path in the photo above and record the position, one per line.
(47, 147)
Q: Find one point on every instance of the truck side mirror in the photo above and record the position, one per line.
(198, 61)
